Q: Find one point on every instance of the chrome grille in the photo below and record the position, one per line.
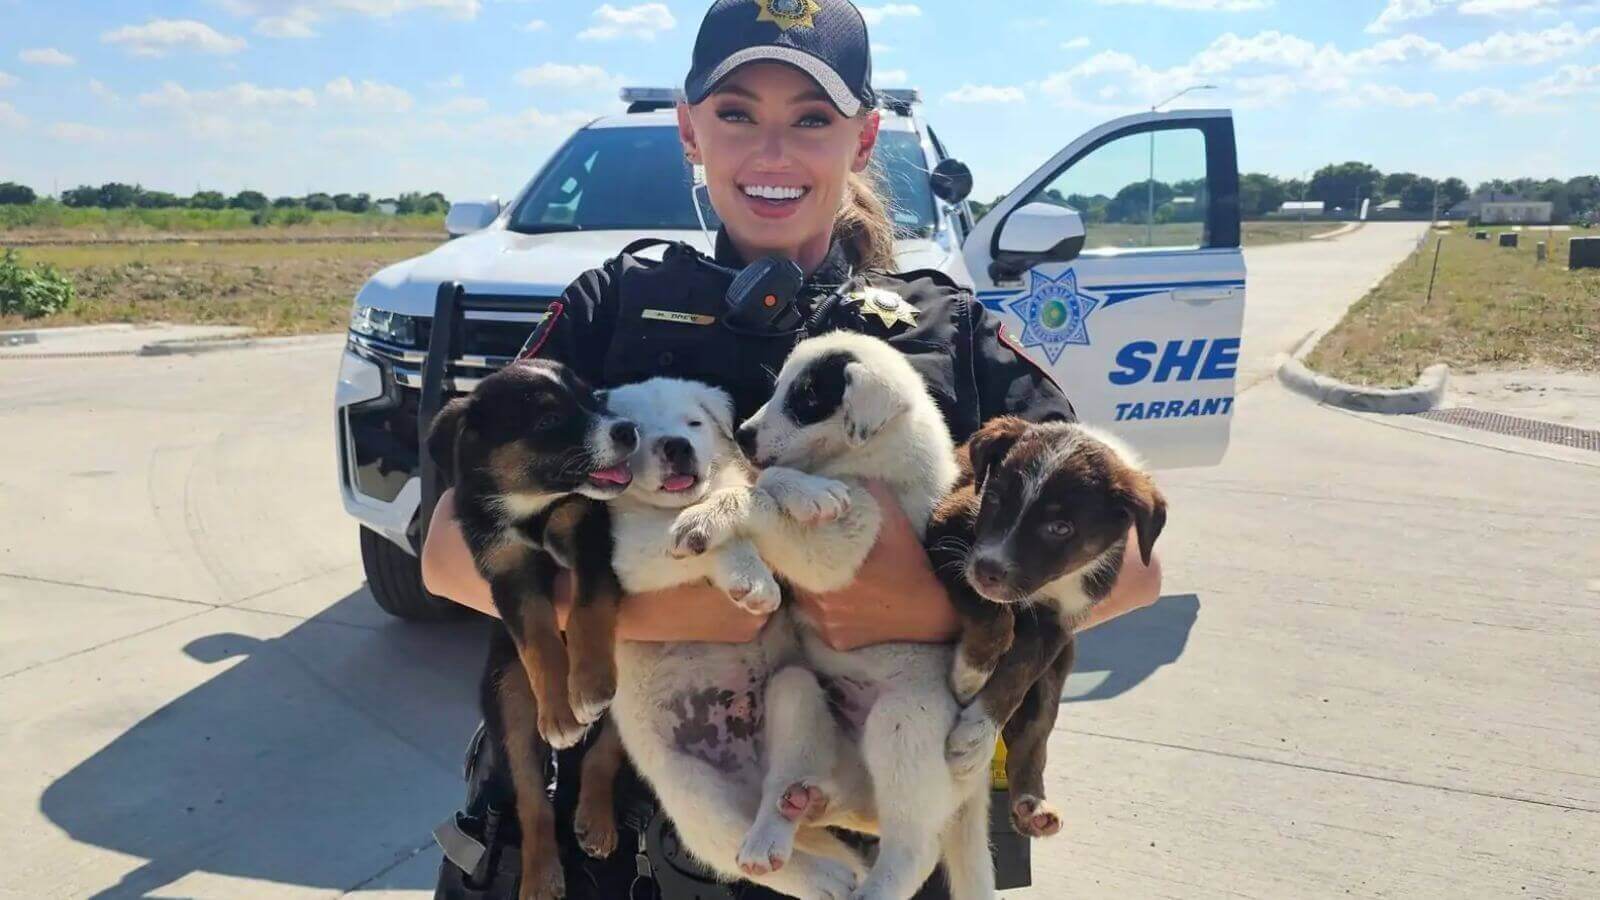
(490, 341)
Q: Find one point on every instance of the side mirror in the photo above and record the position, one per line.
(469, 216)
(1035, 233)
(952, 180)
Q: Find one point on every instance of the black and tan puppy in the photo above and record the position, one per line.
(1030, 540)
(529, 451)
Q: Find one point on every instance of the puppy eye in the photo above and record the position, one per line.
(695, 423)
(1060, 528)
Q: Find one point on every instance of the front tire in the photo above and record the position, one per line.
(395, 578)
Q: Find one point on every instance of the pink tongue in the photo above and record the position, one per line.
(678, 482)
(613, 475)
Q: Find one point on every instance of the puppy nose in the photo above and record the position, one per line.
(988, 571)
(625, 436)
(747, 441)
(677, 451)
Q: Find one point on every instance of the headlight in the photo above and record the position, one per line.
(382, 325)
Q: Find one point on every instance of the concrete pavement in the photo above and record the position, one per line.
(1373, 673)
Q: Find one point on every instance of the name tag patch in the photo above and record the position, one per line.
(682, 318)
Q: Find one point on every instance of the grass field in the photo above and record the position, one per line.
(1492, 308)
(274, 288)
(52, 222)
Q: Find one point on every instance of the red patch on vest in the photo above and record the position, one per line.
(536, 341)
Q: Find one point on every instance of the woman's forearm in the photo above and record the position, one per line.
(692, 613)
(1137, 586)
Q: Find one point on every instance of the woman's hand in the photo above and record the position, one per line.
(895, 597)
(690, 613)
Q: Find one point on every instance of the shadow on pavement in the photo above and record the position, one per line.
(318, 758)
(1115, 657)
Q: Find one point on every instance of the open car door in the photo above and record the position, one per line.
(1117, 268)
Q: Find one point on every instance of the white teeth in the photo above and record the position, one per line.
(772, 192)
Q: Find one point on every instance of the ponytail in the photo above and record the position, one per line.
(863, 222)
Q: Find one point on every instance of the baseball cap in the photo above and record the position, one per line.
(826, 39)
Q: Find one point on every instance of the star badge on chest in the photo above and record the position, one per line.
(885, 305)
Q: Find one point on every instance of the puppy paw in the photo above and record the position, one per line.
(804, 800)
(544, 881)
(831, 880)
(698, 530)
(559, 726)
(596, 831)
(589, 705)
(767, 847)
(757, 595)
(970, 745)
(1034, 817)
(966, 680)
(807, 499)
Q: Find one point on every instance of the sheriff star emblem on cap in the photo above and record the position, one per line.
(787, 14)
(889, 307)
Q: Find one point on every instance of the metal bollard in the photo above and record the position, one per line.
(1540, 251)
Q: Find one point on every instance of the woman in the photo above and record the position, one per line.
(780, 114)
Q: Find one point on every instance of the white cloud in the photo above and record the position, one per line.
(99, 90)
(536, 25)
(46, 56)
(1523, 48)
(890, 78)
(462, 106)
(1386, 95)
(1202, 5)
(557, 75)
(10, 118)
(1077, 43)
(7, 79)
(1398, 11)
(881, 48)
(243, 95)
(985, 93)
(158, 37)
(1562, 85)
(454, 83)
(372, 95)
(530, 125)
(644, 22)
(78, 133)
(297, 18)
(876, 15)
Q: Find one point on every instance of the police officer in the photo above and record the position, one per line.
(781, 114)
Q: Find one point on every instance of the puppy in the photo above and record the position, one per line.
(1032, 538)
(529, 451)
(690, 714)
(847, 409)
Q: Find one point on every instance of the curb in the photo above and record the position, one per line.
(195, 347)
(1426, 394)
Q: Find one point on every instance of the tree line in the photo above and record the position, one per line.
(1338, 186)
(116, 195)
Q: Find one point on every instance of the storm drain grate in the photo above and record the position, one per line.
(1548, 432)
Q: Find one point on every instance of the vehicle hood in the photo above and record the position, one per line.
(497, 261)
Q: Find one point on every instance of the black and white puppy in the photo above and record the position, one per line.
(1038, 522)
(528, 452)
(849, 409)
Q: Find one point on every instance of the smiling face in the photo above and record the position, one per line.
(776, 154)
(685, 439)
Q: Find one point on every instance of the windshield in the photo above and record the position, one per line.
(635, 179)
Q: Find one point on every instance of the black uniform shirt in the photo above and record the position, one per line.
(633, 319)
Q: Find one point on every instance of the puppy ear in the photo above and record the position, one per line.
(718, 407)
(991, 443)
(870, 403)
(1145, 504)
(446, 431)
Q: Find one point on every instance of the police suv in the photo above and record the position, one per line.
(1116, 266)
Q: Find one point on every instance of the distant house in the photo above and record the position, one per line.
(1388, 206)
(1498, 208)
(1517, 212)
(386, 207)
(1303, 208)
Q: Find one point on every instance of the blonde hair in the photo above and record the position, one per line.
(863, 222)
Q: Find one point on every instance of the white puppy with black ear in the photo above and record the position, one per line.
(849, 409)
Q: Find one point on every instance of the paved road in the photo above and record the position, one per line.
(1374, 672)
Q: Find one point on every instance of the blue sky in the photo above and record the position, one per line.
(469, 96)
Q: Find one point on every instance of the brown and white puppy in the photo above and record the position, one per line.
(1031, 539)
(529, 451)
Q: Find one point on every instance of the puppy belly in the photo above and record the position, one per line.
(702, 701)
